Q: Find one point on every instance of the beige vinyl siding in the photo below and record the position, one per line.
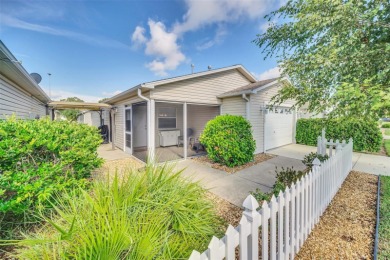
(257, 102)
(119, 119)
(198, 116)
(201, 89)
(14, 100)
(179, 119)
(234, 106)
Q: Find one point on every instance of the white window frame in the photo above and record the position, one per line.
(158, 117)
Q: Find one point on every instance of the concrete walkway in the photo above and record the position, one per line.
(369, 163)
(236, 187)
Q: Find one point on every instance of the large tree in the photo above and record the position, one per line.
(336, 54)
(71, 114)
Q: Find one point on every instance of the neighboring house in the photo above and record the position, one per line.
(19, 93)
(151, 116)
(92, 118)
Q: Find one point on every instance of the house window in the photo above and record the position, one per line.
(166, 117)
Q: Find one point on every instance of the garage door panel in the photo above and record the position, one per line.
(278, 129)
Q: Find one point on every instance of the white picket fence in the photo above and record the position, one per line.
(323, 145)
(286, 221)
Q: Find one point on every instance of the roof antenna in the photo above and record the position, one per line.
(192, 68)
(209, 67)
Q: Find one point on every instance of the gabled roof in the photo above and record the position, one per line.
(153, 84)
(253, 87)
(15, 72)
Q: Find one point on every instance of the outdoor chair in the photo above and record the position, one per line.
(180, 139)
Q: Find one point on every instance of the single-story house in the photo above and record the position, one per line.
(19, 92)
(151, 118)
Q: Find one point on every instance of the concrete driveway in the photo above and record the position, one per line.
(236, 187)
(369, 163)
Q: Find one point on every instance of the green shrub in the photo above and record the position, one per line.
(366, 134)
(284, 178)
(228, 140)
(309, 158)
(41, 157)
(386, 144)
(151, 214)
(287, 177)
(385, 125)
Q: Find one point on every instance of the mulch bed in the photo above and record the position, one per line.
(347, 228)
(261, 157)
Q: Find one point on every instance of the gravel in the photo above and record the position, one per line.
(347, 228)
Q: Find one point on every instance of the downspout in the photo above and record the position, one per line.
(149, 119)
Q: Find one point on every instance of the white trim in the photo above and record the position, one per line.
(128, 107)
(240, 68)
(185, 130)
(188, 103)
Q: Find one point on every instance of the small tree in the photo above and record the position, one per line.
(336, 54)
(71, 114)
(228, 140)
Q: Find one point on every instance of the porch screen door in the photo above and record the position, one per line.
(128, 130)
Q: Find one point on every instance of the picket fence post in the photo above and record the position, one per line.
(250, 205)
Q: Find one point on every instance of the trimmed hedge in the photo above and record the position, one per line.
(385, 125)
(228, 140)
(366, 134)
(40, 158)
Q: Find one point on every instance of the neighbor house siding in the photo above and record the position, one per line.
(14, 100)
(200, 89)
(119, 119)
(234, 106)
(198, 116)
(257, 103)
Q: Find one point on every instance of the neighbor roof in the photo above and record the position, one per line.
(15, 72)
(152, 84)
(252, 87)
(78, 105)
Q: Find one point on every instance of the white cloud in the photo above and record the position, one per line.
(138, 36)
(99, 41)
(269, 74)
(162, 45)
(218, 38)
(58, 94)
(202, 13)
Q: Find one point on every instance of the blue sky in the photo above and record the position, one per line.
(95, 49)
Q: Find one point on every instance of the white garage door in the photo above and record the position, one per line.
(278, 127)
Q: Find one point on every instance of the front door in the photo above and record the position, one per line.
(128, 130)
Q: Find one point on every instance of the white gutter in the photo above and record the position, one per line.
(247, 106)
(150, 131)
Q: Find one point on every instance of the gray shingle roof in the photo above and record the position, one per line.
(248, 88)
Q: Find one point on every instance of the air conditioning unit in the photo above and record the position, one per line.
(169, 137)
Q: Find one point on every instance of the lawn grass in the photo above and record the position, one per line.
(387, 131)
(384, 222)
(386, 144)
